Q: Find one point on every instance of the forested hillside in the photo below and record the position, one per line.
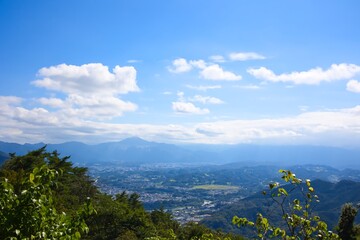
(332, 196)
(42, 191)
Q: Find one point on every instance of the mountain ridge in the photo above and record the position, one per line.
(137, 151)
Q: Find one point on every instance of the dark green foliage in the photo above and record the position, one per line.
(73, 186)
(166, 226)
(196, 231)
(346, 222)
(31, 214)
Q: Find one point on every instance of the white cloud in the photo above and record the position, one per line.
(333, 127)
(249, 87)
(181, 96)
(52, 102)
(204, 88)
(244, 56)
(206, 99)
(88, 79)
(353, 86)
(304, 108)
(217, 58)
(91, 90)
(187, 107)
(134, 61)
(201, 64)
(98, 108)
(198, 98)
(9, 100)
(182, 105)
(216, 73)
(312, 76)
(338, 127)
(180, 65)
(207, 71)
(94, 107)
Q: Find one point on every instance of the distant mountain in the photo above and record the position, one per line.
(19, 149)
(332, 196)
(3, 157)
(130, 151)
(135, 151)
(293, 155)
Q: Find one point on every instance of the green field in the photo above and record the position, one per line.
(216, 187)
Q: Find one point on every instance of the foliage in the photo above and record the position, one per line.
(346, 227)
(299, 222)
(31, 214)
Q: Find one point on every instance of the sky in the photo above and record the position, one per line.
(204, 71)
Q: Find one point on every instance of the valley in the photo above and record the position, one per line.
(196, 193)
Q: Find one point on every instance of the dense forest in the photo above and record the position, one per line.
(43, 196)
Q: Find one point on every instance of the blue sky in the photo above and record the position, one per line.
(263, 72)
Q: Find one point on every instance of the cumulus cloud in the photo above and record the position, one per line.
(310, 77)
(217, 58)
(180, 65)
(353, 86)
(185, 105)
(99, 108)
(204, 88)
(201, 64)
(216, 73)
(206, 99)
(332, 127)
(208, 71)
(52, 102)
(188, 107)
(244, 56)
(91, 90)
(88, 79)
(9, 100)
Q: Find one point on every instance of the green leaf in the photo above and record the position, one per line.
(283, 191)
(77, 235)
(31, 177)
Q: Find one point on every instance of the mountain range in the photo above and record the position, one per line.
(136, 151)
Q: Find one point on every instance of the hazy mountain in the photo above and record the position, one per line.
(293, 155)
(134, 151)
(129, 151)
(3, 157)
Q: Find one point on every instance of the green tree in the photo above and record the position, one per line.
(73, 186)
(31, 214)
(299, 222)
(166, 226)
(346, 222)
